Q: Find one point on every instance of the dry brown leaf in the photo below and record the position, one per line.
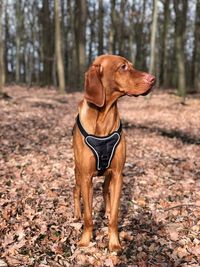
(126, 235)
(37, 181)
(180, 252)
(76, 225)
(174, 234)
(109, 263)
(3, 263)
(196, 250)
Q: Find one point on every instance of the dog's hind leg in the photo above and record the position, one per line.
(77, 196)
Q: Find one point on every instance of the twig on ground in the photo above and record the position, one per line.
(182, 205)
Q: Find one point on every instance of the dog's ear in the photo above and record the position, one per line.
(94, 91)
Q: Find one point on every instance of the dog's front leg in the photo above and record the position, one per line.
(87, 192)
(106, 195)
(115, 192)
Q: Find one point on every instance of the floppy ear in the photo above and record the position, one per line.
(94, 91)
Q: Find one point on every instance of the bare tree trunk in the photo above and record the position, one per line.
(101, 15)
(140, 57)
(180, 8)
(112, 33)
(196, 51)
(92, 16)
(152, 68)
(121, 32)
(163, 59)
(80, 39)
(82, 44)
(71, 48)
(58, 48)
(47, 47)
(18, 39)
(6, 38)
(28, 60)
(34, 66)
(131, 36)
(2, 67)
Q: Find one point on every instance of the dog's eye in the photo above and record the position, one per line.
(124, 67)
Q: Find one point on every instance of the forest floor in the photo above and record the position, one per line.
(159, 220)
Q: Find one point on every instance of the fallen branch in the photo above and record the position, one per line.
(182, 205)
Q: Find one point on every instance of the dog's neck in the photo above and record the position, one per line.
(99, 121)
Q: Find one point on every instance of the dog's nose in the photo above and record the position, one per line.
(150, 78)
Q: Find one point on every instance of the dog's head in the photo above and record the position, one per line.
(113, 76)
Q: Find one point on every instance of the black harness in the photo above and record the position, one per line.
(103, 147)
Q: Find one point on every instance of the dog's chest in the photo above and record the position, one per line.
(103, 149)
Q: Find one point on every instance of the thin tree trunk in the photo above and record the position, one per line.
(47, 49)
(163, 59)
(80, 39)
(121, 32)
(112, 33)
(58, 48)
(140, 57)
(92, 15)
(152, 68)
(18, 37)
(180, 8)
(29, 67)
(82, 44)
(6, 39)
(17, 65)
(2, 67)
(131, 36)
(18, 40)
(34, 73)
(71, 54)
(101, 31)
(196, 51)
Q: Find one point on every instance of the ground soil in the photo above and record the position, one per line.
(159, 220)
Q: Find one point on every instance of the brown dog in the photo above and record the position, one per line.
(109, 78)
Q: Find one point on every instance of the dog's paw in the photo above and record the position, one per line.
(85, 239)
(114, 244)
(83, 243)
(115, 247)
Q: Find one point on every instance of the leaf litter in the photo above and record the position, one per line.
(159, 221)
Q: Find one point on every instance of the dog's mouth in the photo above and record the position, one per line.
(140, 94)
(147, 92)
(143, 94)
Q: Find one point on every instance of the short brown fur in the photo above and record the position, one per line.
(109, 78)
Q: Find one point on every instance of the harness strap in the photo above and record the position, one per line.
(103, 147)
(85, 134)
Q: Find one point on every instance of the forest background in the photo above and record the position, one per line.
(52, 42)
(45, 48)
